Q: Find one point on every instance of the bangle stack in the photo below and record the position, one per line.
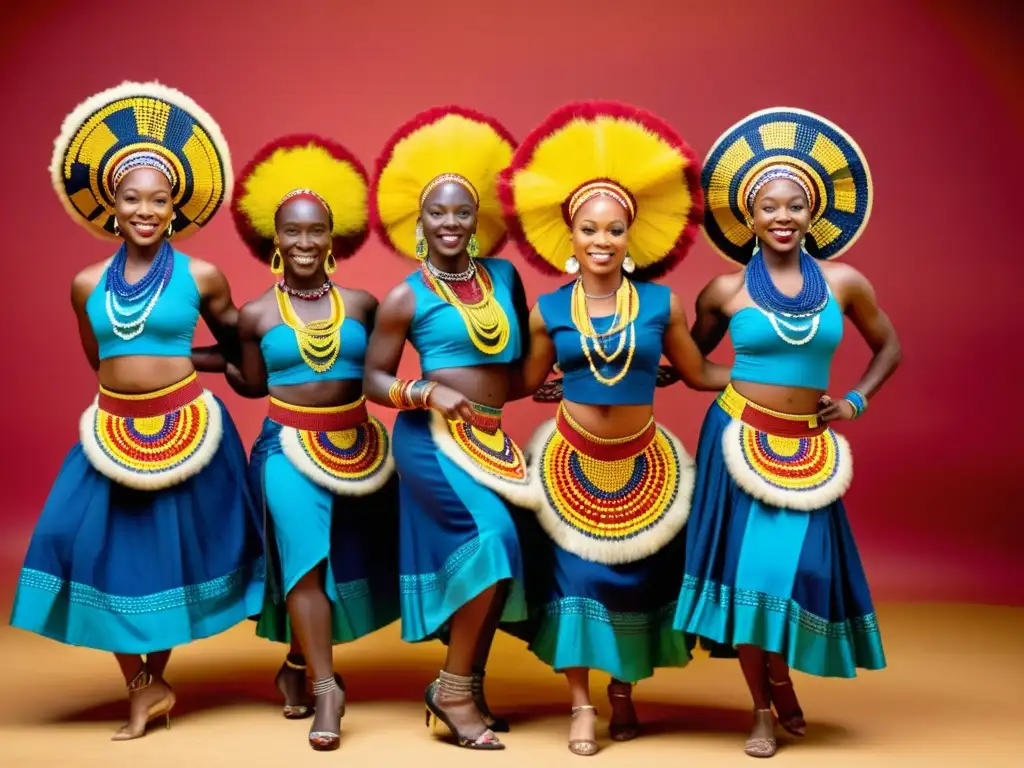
(410, 395)
(858, 401)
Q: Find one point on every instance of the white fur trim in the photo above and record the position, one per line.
(291, 447)
(519, 494)
(152, 481)
(804, 501)
(612, 552)
(80, 114)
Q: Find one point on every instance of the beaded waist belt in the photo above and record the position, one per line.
(330, 419)
(154, 440)
(603, 448)
(769, 421)
(486, 418)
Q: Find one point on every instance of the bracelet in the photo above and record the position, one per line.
(858, 401)
(410, 395)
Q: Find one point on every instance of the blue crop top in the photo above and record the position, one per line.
(438, 332)
(764, 358)
(285, 365)
(579, 384)
(169, 328)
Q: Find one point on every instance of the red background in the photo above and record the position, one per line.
(931, 91)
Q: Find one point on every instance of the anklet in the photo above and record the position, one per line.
(320, 687)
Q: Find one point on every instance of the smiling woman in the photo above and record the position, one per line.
(148, 539)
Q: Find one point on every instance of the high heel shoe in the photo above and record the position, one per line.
(762, 746)
(326, 741)
(455, 687)
(297, 673)
(160, 708)
(791, 716)
(622, 731)
(496, 724)
(583, 747)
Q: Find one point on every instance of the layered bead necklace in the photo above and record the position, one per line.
(627, 308)
(311, 294)
(130, 304)
(320, 340)
(485, 319)
(782, 310)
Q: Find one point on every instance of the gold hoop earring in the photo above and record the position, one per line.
(473, 248)
(170, 228)
(330, 263)
(277, 263)
(117, 227)
(421, 242)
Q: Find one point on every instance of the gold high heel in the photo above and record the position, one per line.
(456, 687)
(583, 747)
(326, 741)
(294, 711)
(161, 708)
(764, 746)
(622, 731)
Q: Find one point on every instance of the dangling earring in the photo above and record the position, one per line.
(803, 243)
(421, 242)
(330, 264)
(628, 265)
(572, 265)
(473, 249)
(170, 228)
(117, 227)
(277, 263)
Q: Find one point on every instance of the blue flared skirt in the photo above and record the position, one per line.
(129, 571)
(789, 582)
(356, 537)
(457, 538)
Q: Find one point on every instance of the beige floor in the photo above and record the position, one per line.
(953, 695)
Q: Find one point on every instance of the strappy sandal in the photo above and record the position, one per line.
(762, 746)
(496, 724)
(583, 747)
(455, 687)
(160, 708)
(326, 741)
(294, 710)
(630, 729)
(791, 716)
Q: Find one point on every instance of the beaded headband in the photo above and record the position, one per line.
(142, 159)
(781, 171)
(309, 194)
(602, 187)
(452, 178)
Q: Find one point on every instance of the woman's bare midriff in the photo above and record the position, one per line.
(484, 384)
(794, 400)
(610, 421)
(141, 374)
(320, 394)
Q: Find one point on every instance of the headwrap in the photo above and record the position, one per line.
(140, 125)
(302, 165)
(604, 148)
(441, 145)
(785, 143)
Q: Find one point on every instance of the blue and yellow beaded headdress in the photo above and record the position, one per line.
(444, 144)
(302, 165)
(137, 125)
(783, 142)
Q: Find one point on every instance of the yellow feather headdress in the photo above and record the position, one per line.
(608, 148)
(439, 142)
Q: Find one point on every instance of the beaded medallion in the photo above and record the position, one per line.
(348, 462)
(485, 452)
(149, 442)
(792, 472)
(610, 501)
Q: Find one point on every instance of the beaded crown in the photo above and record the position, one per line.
(444, 141)
(608, 148)
(134, 125)
(302, 165)
(783, 142)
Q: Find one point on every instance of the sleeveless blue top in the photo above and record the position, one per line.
(169, 327)
(285, 365)
(578, 383)
(763, 358)
(438, 332)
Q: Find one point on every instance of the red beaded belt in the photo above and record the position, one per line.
(768, 421)
(603, 448)
(159, 403)
(485, 418)
(310, 419)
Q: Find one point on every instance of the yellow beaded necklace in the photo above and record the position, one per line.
(627, 308)
(320, 340)
(486, 320)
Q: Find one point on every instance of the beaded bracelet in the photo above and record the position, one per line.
(410, 395)
(858, 401)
